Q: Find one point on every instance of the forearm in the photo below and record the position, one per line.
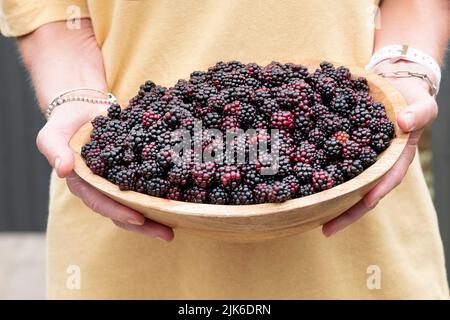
(59, 59)
(422, 24)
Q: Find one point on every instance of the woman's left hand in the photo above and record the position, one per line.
(420, 112)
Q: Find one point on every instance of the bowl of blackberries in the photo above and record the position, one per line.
(245, 152)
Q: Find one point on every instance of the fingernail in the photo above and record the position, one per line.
(135, 222)
(57, 163)
(160, 239)
(409, 119)
(373, 204)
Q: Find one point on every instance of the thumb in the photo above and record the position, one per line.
(418, 114)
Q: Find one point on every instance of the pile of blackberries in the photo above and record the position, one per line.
(320, 129)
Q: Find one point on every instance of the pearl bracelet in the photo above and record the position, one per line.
(65, 97)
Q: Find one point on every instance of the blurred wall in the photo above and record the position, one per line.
(24, 172)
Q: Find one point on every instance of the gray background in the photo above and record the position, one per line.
(24, 172)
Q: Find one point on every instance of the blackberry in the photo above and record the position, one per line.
(150, 117)
(228, 176)
(362, 136)
(316, 136)
(305, 190)
(330, 123)
(303, 171)
(114, 111)
(351, 168)
(303, 123)
(229, 123)
(261, 192)
(293, 183)
(196, 195)
(150, 169)
(319, 111)
(100, 121)
(252, 176)
(212, 120)
(386, 127)
(341, 136)
(125, 179)
(274, 74)
(280, 192)
(380, 142)
(157, 187)
(218, 196)
(332, 147)
(97, 165)
(305, 153)
(246, 115)
(269, 107)
(367, 156)
(360, 84)
(175, 193)
(243, 194)
(112, 155)
(203, 174)
(360, 117)
(321, 180)
(336, 173)
(351, 150)
(179, 174)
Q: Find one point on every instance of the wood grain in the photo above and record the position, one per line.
(261, 221)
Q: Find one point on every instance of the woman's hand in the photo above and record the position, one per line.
(53, 142)
(420, 112)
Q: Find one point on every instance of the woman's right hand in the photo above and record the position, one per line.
(53, 141)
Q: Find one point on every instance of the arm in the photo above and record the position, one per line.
(59, 59)
(424, 25)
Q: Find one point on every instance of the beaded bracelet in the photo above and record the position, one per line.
(65, 97)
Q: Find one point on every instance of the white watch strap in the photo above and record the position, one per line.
(403, 52)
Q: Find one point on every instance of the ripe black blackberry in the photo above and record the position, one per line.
(351, 168)
(360, 117)
(316, 136)
(212, 120)
(218, 195)
(196, 195)
(280, 192)
(321, 180)
(274, 74)
(261, 192)
(336, 173)
(360, 84)
(305, 190)
(242, 195)
(380, 142)
(112, 155)
(351, 150)
(330, 123)
(293, 183)
(304, 153)
(114, 111)
(303, 171)
(332, 147)
(269, 107)
(362, 136)
(97, 165)
(125, 179)
(386, 127)
(203, 174)
(157, 187)
(228, 176)
(175, 193)
(367, 156)
(150, 169)
(180, 174)
(303, 123)
(246, 115)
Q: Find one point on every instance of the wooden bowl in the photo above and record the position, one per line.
(249, 223)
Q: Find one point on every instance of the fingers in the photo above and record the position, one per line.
(418, 114)
(391, 180)
(102, 204)
(149, 228)
(345, 219)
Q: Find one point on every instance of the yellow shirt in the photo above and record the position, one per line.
(398, 243)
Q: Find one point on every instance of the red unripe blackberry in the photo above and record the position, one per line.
(321, 180)
(341, 136)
